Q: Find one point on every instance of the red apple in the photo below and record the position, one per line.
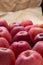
(5, 33)
(4, 42)
(3, 23)
(26, 23)
(15, 30)
(19, 47)
(34, 31)
(38, 37)
(29, 57)
(39, 47)
(12, 25)
(7, 57)
(23, 36)
(27, 28)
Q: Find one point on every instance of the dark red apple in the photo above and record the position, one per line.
(12, 25)
(38, 37)
(39, 47)
(5, 33)
(26, 23)
(34, 31)
(7, 57)
(19, 47)
(4, 42)
(3, 23)
(29, 57)
(15, 30)
(23, 36)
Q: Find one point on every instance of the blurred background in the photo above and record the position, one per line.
(17, 10)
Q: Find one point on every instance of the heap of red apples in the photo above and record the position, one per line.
(21, 43)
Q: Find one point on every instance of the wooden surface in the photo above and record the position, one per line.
(34, 14)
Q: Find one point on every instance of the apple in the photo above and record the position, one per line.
(27, 28)
(5, 33)
(26, 23)
(3, 23)
(40, 25)
(29, 57)
(16, 29)
(38, 37)
(19, 47)
(4, 42)
(12, 25)
(39, 47)
(7, 57)
(23, 36)
(34, 31)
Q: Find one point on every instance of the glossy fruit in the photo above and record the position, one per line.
(39, 37)
(23, 36)
(26, 23)
(27, 28)
(7, 57)
(39, 47)
(34, 31)
(4, 42)
(19, 47)
(15, 30)
(29, 57)
(5, 33)
(3, 23)
(12, 25)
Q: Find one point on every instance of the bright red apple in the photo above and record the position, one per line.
(27, 28)
(4, 42)
(38, 37)
(7, 57)
(12, 25)
(34, 31)
(26, 23)
(15, 30)
(23, 36)
(3, 23)
(19, 47)
(5, 33)
(39, 47)
(29, 57)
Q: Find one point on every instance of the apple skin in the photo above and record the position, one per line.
(4, 43)
(38, 37)
(27, 28)
(34, 31)
(12, 25)
(26, 23)
(29, 57)
(5, 33)
(39, 47)
(3, 23)
(19, 47)
(40, 25)
(7, 57)
(15, 30)
(24, 36)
